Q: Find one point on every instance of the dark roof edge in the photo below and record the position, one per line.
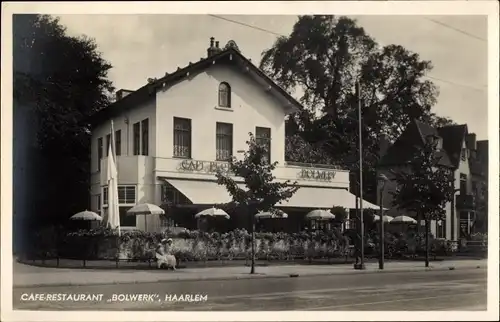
(145, 91)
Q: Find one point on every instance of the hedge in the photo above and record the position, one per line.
(188, 245)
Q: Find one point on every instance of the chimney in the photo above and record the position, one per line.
(470, 141)
(211, 50)
(217, 44)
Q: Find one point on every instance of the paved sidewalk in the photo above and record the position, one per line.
(30, 276)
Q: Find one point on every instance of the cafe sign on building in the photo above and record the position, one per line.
(203, 166)
(316, 175)
(211, 167)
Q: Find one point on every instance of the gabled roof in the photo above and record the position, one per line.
(228, 55)
(405, 147)
(453, 140)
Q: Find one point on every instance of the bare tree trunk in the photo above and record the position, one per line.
(427, 242)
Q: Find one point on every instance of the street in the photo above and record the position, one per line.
(427, 290)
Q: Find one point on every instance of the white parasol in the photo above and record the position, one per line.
(386, 218)
(269, 214)
(320, 214)
(86, 215)
(212, 212)
(403, 220)
(145, 209)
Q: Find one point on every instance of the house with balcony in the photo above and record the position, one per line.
(455, 148)
(175, 132)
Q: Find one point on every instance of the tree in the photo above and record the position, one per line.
(425, 187)
(261, 191)
(299, 150)
(323, 57)
(62, 80)
(340, 214)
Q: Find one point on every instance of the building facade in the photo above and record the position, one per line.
(173, 134)
(455, 148)
(479, 172)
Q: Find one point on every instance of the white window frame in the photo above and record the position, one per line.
(120, 204)
(128, 204)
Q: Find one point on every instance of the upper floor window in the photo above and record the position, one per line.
(437, 141)
(263, 138)
(182, 137)
(463, 154)
(463, 183)
(439, 144)
(108, 141)
(141, 137)
(224, 141)
(145, 137)
(118, 142)
(136, 128)
(224, 95)
(99, 153)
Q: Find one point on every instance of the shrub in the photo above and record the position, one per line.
(188, 245)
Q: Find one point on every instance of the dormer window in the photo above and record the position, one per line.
(439, 144)
(224, 95)
(436, 140)
(463, 155)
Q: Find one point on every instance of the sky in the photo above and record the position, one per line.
(146, 46)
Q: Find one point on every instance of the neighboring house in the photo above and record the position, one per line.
(479, 171)
(455, 146)
(174, 133)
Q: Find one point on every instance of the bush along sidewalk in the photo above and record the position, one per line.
(196, 246)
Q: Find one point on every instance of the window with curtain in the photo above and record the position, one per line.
(99, 153)
(145, 137)
(263, 138)
(118, 142)
(182, 137)
(224, 141)
(137, 138)
(224, 95)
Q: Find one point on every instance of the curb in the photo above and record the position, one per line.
(257, 276)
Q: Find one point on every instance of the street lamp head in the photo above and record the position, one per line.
(382, 179)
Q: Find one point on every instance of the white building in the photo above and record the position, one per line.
(172, 133)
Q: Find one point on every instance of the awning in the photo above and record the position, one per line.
(309, 197)
(201, 192)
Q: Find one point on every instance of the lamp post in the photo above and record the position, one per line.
(382, 180)
(453, 215)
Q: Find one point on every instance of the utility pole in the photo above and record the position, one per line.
(362, 228)
(361, 177)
